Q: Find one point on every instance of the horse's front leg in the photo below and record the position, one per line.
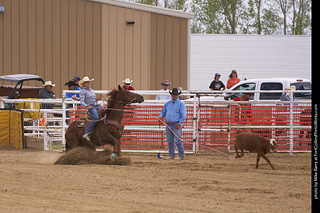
(119, 147)
(116, 149)
(114, 155)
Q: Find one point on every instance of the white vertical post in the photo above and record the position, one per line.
(64, 117)
(198, 121)
(45, 136)
(1, 102)
(229, 123)
(194, 124)
(291, 122)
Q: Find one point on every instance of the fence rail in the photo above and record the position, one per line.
(209, 124)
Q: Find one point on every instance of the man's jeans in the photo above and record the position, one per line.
(171, 138)
(95, 117)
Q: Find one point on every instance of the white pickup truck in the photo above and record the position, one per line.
(265, 84)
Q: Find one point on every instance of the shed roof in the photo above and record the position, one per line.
(148, 8)
(21, 77)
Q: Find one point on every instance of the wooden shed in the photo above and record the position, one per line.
(108, 40)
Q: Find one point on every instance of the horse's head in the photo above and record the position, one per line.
(129, 97)
(124, 96)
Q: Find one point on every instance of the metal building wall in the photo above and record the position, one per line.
(55, 39)
(149, 51)
(59, 39)
(169, 51)
(125, 47)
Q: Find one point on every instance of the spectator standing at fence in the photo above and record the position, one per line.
(127, 84)
(175, 113)
(72, 86)
(216, 84)
(286, 96)
(88, 100)
(165, 84)
(46, 91)
(233, 79)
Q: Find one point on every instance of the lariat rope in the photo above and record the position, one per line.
(231, 157)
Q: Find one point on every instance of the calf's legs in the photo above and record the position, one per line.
(264, 157)
(237, 153)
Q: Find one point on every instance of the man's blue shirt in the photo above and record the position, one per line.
(174, 111)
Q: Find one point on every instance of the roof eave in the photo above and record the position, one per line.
(148, 8)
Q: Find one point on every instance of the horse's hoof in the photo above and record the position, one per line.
(113, 156)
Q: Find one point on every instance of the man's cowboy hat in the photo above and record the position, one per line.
(71, 83)
(175, 91)
(127, 81)
(48, 83)
(85, 79)
(165, 83)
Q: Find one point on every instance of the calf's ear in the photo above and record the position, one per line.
(119, 87)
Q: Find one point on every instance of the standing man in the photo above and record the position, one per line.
(175, 113)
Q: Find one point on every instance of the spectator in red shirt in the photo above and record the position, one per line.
(127, 84)
(245, 97)
(243, 112)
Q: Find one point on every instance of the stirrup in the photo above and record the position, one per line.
(87, 136)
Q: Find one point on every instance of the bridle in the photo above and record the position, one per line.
(124, 102)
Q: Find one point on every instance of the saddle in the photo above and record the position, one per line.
(83, 121)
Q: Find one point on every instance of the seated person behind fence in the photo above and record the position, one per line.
(245, 110)
(88, 99)
(46, 91)
(76, 80)
(286, 96)
(245, 97)
(181, 97)
(165, 85)
(127, 84)
(72, 86)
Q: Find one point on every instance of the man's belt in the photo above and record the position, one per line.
(171, 123)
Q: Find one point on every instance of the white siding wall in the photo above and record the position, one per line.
(252, 56)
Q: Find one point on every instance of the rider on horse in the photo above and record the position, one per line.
(88, 99)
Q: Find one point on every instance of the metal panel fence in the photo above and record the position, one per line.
(209, 124)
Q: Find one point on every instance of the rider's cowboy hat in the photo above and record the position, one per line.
(127, 81)
(48, 83)
(165, 83)
(85, 79)
(175, 91)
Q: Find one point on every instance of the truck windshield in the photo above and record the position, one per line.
(302, 86)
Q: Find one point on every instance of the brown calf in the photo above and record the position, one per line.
(255, 143)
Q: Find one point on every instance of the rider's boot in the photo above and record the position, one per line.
(86, 136)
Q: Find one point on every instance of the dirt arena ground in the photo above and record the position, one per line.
(30, 182)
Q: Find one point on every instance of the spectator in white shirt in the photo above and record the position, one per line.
(165, 85)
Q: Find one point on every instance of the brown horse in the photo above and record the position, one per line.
(108, 130)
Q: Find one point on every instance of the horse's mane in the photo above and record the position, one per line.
(111, 100)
